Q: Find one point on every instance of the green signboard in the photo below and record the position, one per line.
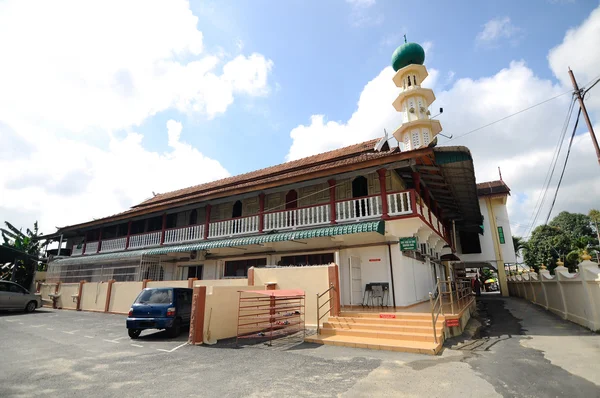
(408, 243)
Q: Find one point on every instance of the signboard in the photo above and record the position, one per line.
(387, 316)
(408, 243)
(374, 260)
(452, 322)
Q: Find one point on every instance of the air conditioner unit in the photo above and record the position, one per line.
(424, 249)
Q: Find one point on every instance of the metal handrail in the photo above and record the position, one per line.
(436, 313)
(319, 317)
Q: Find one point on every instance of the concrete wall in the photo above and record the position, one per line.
(93, 296)
(66, 291)
(313, 280)
(181, 283)
(122, 296)
(575, 297)
(223, 282)
(45, 291)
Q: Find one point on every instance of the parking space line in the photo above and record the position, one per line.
(50, 328)
(111, 341)
(71, 332)
(179, 346)
(89, 337)
(137, 345)
(10, 320)
(38, 326)
(121, 338)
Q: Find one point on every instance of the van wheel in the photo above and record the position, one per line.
(134, 333)
(31, 306)
(175, 330)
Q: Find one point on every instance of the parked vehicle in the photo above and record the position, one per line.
(168, 308)
(15, 297)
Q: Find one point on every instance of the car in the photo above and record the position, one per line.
(167, 308)
(15, 297)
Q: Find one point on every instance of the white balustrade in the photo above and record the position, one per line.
(235, 226)
(294, 218)
(356, 209)
(113, 245)
(434, 222)
(184, 234)
(144, 240)
(91, 247)
(399, 203)
(77, 251)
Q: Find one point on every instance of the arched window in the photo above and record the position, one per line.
(409, 81)
(291, 199)
(360, 188)
(193, 217)
(414, 79)
(237, 210)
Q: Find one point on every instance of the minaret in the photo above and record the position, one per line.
(417, 129)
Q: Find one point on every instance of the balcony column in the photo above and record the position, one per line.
(428, 203)
(84, 243)
(99, 241)
(331, 183)
(261, 211)
(207, 221)
(163, 228)
(417, 181)
(128, 235)
(383, 189)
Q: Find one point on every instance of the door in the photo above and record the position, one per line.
(356, 297)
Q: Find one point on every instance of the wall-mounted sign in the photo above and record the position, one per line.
(387, 316)
(452, 322)
(374, 260)
(408, 243)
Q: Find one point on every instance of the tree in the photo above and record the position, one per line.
(575, 224)
(29, 244)
(519, 244)
(546, 245)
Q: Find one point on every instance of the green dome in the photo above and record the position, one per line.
(406, 54)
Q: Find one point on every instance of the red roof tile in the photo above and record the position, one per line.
(492, 188)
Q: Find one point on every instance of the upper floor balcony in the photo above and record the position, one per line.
(387, 206)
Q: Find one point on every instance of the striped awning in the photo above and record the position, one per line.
(333, 230)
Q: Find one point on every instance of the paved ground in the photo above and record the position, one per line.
(67, 353)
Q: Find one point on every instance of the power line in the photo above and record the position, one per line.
(564, 166)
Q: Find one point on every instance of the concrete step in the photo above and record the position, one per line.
(374, 333)
(385, 321)
(382, 328)
(387, 315)
(417, 347)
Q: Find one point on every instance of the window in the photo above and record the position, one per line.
(15, 289)
(307, 259)
(195, 272)
(416, 140)
(171, 220)
(237, 210)
(155, 224)
(193, 217)
(155, 296)
(501, 235)
(3, 287)
(137, 227)
(239, 268)
(291, 199)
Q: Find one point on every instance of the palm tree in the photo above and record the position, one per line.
(579, 247)
(28, 243)
(519, 244)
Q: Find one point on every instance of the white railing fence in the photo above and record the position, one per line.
(185, 234)
(236, 226)
(294, 218)
(145, 240)
(113, 245)
(356, 209)
(91, 247)
(399, 203)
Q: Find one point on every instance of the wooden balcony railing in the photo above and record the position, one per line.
(184, 234)
(234, 226)
(358, 209)
(294, 218)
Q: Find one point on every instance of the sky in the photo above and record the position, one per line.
(103, 103)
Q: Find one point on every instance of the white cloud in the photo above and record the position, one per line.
(496, 29)
(521, 145)
(75, 75)
(362, 14)
(361, 3)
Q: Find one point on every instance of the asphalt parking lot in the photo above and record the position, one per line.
(524, 352)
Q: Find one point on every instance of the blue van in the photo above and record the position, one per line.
(168, 308)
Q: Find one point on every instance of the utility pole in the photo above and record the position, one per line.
(585, 114)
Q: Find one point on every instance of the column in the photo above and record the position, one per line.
(85, 238)
(417, 181)
(164, 226)
(428, 203)
(99, 241)
(261, 211)
(331, 183)
(207, 220)
(383, 188)
(128, 235)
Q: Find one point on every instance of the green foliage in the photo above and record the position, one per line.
(576, 224)
(28, 243)
(545, 246)
(594, 215)
(519, 243)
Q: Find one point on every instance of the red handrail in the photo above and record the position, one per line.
(297, 208)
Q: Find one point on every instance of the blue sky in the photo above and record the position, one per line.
(107, 101)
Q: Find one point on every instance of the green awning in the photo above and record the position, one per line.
(98, 258)
(334, 230)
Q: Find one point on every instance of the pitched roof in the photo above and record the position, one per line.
(497, 187)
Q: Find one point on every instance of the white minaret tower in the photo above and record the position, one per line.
(417, 129)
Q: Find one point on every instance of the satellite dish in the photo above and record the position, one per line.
(381, 142)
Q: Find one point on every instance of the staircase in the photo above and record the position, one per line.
(400, 331)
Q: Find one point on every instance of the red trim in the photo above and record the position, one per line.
(395, 192)
(207, 220)
(295, 208)
(261, 212)
(331, 183)
(163, 227)
(128, 234)
(413, 202)
(383, 189)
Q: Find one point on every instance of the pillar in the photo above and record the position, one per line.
(163, 228)
(99, 241)
(191, 282)
(497, 248)
(383, 189)
(334, 294)
(207, 220)
(108, 294)
(196, 335)
(145, 283)
(251, 276)
(331, 183)
(128, 234)
(261, 211)
(417, 182)
(79, 292)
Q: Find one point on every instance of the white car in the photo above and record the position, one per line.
(16, 297)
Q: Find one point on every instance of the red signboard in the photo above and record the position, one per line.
(387, 316)
(452, 322)
(374, 260)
